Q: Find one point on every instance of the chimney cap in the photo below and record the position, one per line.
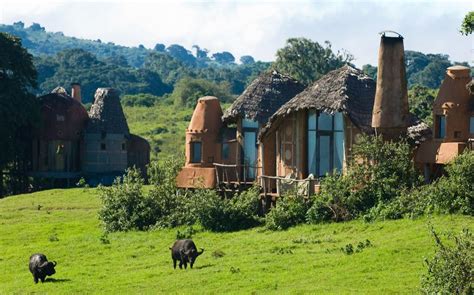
(390, 32)
(75, 83)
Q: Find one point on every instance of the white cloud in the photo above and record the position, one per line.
(257, 28)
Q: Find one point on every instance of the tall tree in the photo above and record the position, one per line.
(467, 26)
(307, 61)
(224, 57)
(247, 59)
(18, 106)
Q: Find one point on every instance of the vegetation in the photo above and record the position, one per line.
(307, 61)
(255, 260)
(451, 269)
(467, 25)
(188, 90)
(420, 101)
(19, 112)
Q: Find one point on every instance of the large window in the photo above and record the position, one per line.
(440, 126)
(250, 130)
(325, 142)
(196, 152)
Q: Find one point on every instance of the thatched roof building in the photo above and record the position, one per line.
(263, 97)
(106, 113)
(347, 90)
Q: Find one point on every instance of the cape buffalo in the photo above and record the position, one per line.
(185, 251)
(40, 267)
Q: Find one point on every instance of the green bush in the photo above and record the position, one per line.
(289, 211)
(165, 170)
(219, 214)
(450, 271)
(124, 206)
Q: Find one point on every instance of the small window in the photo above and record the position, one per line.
(441, 126)
(225, 151)
(102, 146)
(123, 146)
(471, 125)
(195, 152)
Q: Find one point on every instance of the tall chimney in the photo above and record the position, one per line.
(390, 113)
(76, 91)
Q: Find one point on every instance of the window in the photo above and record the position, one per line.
(225, 151)
(249, 152)
(102, 146)
(325, 142)
(196, 152)
(440, 126)
(123, 146)
(471, 125)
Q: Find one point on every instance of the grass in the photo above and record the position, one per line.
(63, 225)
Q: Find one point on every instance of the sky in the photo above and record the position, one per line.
(258, 28)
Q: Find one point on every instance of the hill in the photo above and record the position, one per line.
(63, 224)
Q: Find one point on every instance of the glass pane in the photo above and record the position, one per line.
(324, 121)
(338, 150)
(324, 155)
(312, 152)
(471, 125)
(338, 122)
(246, 123)
(441, 126)
(196, 152)
(250, 152)
(225, 151)
(312, 120)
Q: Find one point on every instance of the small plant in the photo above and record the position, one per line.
(282, 250)
(348, 249)
(186, 234)
(289, 211)
(53, 237)
(234, 270)
(104, 238)
(218, 253)
(82, 183)
(450, 270)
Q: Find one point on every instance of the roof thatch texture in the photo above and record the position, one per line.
(263, 97)
(347, 90)
(106, 113)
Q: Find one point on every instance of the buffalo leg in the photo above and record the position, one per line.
(35, 278)
(174, 263)
(180, 265)
(185, 265)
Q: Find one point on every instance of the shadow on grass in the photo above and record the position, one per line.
(203, 266)
(52, 280)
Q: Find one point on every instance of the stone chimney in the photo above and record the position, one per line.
(76, 91)
(390, 116)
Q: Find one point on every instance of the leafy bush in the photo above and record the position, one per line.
(165, 170)
(218, 214)
(124, 206)
(289, 211)
(452, 193)
(450, 271)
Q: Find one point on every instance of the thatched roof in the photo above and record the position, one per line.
(263, 97)
(106, 113)
(347, 90)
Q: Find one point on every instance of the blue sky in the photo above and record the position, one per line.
(257, 28)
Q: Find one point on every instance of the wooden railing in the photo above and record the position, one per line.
(303, 187)
(234, 173)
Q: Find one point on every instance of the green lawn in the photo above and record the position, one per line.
(63, 225)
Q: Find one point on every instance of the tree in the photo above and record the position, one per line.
(160, 47)
(247, 59)
(370, 71)
(307, 61)
(18, 108)
(421, 100)
(201, 53)
(188, 90)
(181, 53)
(467, 26)
(224, 57)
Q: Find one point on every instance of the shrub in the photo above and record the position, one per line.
(165, 170)
(219, 214)
(289, 211)
(450, 271)
(124, 207)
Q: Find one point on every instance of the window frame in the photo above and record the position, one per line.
(192, 145)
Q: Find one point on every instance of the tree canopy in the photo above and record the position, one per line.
(307, 61)
(467, 26)
(18, 107)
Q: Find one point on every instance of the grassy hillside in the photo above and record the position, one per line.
(63, 225)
